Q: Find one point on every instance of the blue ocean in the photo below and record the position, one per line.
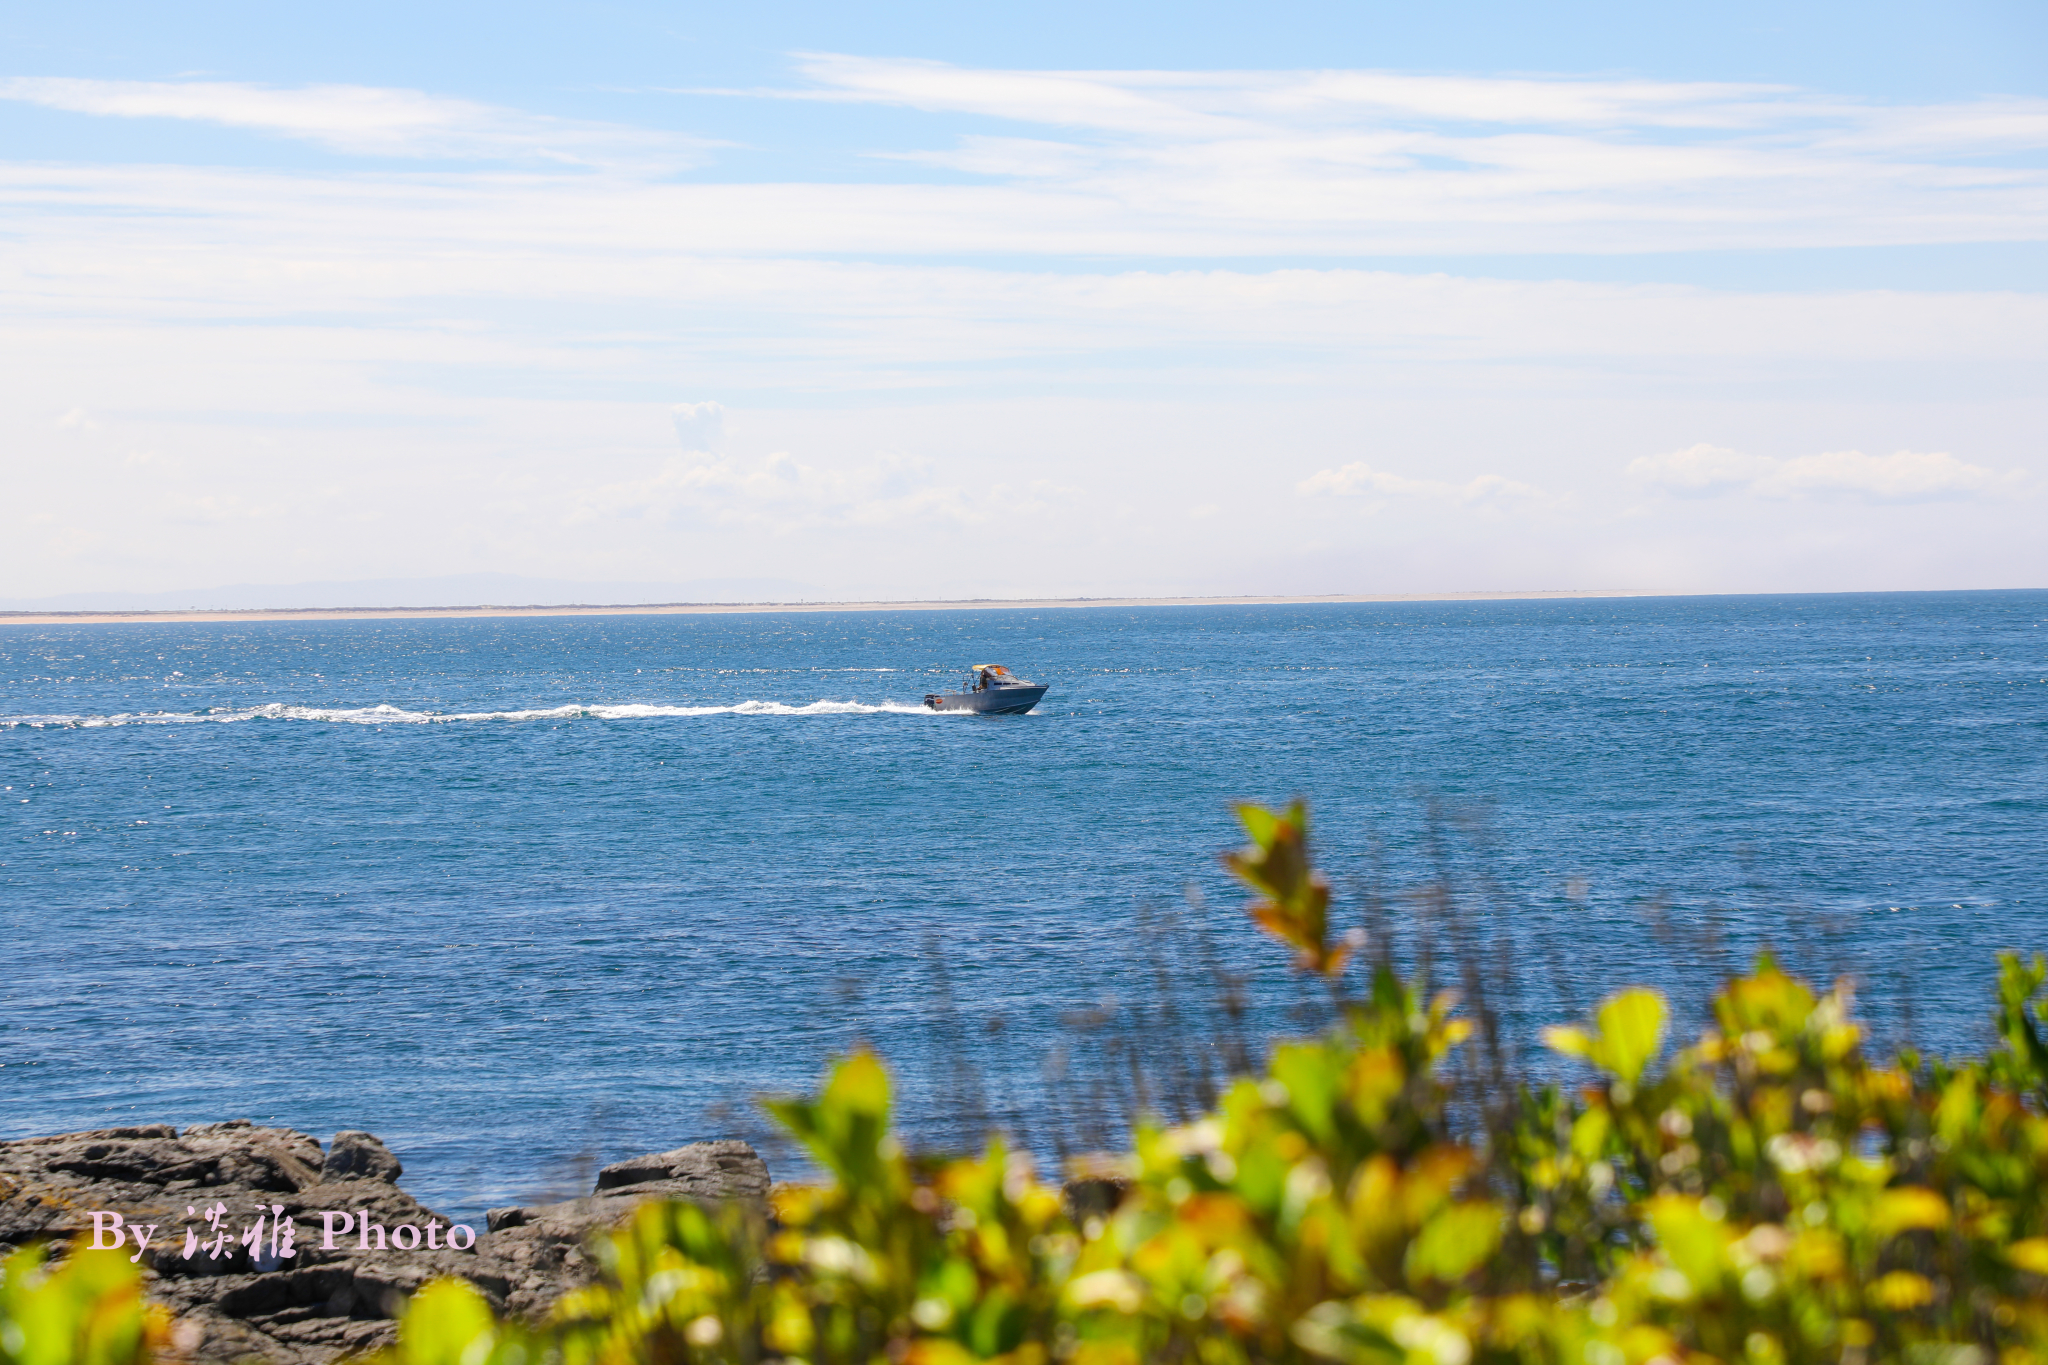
(526, 895)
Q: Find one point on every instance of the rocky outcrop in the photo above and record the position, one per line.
(541, 1248)
(359, 1156)
(210, 1205)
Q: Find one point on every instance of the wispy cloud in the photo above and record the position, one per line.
(1903, 476)
(1166, 163)
(1208, 102)
(1395, 162)
(363, 120)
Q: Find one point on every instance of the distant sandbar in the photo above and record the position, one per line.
(73, 618)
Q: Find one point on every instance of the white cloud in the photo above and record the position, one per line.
(699, 426)
(1903, 476)
(361, 120)
(1360, 480)
(1701, 470)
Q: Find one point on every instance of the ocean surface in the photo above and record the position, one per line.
(527, 895)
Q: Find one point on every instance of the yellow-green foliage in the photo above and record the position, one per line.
(1769, 1195)
(1775, 1195)
(87, 1311)
(450, 1323)
(962, 1262)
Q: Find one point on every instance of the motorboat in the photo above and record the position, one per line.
(992, 690)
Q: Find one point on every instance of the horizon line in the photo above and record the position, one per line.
(486, 610)
(490, 610)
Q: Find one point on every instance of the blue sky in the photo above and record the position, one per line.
(512, 52)
(928, 300)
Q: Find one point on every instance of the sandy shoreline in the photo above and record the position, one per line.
(75, 618)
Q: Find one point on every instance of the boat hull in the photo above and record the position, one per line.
(996, 701)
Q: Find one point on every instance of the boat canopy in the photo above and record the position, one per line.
(996, 669)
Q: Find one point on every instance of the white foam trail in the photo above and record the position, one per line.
(392, 715)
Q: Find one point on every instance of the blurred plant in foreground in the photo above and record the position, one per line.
(1769, 1195)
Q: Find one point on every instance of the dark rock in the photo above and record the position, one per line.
(714, 1171)
(360, 1156)
(338, 1293)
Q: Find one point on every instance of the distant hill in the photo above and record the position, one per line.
(451, 590)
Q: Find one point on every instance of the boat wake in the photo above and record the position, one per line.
(392, 715)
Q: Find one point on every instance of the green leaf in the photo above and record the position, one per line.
(846, 1126)
(1454, 1243)
(1570, 1040)
(1695, 1243)
(859, 1088)
(2017, 983)
(447, 1323)
(1297, 906)
(1260, 823)
(1632, 1029)
(1589, 1134)
(87, 1311)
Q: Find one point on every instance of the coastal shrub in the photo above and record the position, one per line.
(952, 1261)
(1767, 1195)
